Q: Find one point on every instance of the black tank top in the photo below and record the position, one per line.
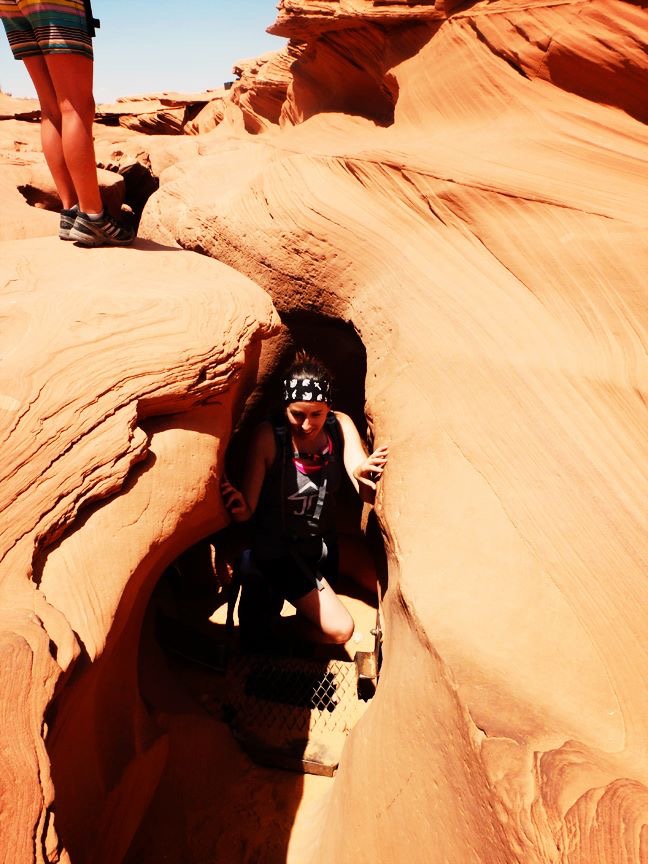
(288, 509)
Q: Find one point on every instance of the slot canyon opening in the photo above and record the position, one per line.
(292, 706)
(210, 562)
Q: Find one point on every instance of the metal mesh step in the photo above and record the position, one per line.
(292, 713)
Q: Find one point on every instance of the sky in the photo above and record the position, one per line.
(146, 46)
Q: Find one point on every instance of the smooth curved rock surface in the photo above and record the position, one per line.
(489, 245)
(469, 196)
(97, 345)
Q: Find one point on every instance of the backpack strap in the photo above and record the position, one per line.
(283, 457)
(281, 441)
(333, 428)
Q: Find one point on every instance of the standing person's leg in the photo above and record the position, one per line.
(53, 37)
(51, 130)
(71, 76)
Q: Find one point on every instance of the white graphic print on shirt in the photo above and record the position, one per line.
(305, 497)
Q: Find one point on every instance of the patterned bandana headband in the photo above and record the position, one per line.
(306, 390)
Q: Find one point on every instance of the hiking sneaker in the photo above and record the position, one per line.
(67, 221)
(104, 231)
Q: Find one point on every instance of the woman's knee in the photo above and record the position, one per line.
(340, 630)
(51, 113)
(71, 76)
(80, 105)
(326, 612)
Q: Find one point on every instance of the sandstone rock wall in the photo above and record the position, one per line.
(463, 184)
(488, 243)
(120, 376)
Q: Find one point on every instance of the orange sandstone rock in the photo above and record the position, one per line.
(14, 108)
(464, 185)
(488, 242)
(97, 344)
(163, 114)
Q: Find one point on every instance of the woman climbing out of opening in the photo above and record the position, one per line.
(293, 471)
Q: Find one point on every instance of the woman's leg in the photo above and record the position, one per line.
(260, 603)
(71, 76)
(51, 130)
(327, 619)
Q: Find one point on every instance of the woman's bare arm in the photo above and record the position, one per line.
(364, 471)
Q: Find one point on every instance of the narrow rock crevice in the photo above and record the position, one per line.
(156, 741)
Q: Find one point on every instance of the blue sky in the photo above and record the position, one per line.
(145, 46)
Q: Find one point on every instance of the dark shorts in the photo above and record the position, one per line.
(293, 577)
(36, 28)
(267, 582)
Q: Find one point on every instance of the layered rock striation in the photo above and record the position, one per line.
(120, 379)
(463, 185)
(469, 197)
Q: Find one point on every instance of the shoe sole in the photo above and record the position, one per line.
(66, 224)
(92, 240)
(64, 231)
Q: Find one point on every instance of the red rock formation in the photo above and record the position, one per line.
(163, 114)
(39, 191)
(344, 53)
(24, 177)
(596, 51)
(208, 117)
(462, 183)
(261, 91)
(489, 246)
(95, 348)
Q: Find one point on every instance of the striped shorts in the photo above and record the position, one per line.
(55, 27)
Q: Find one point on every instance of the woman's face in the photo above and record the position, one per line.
(307, 419)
